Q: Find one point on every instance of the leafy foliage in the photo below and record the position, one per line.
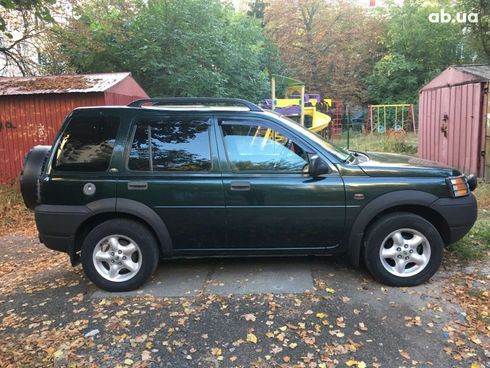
(21, 24)
(417, 50)
(39, 8)
(331, 46)
(186, 48)
(480, 31)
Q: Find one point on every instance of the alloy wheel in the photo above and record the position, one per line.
(405, 252)
(117, 258)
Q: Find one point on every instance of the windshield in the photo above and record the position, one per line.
(339, 152)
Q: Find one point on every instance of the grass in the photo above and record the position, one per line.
(15, 218)
(476, 245)
(380, 143)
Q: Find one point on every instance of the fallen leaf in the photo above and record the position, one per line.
(310, 340)
(404, 354)
(249, 317)
(145, 355)
(476, 340)
(252, 338)
(358, 364)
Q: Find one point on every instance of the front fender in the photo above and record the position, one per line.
(382, 203)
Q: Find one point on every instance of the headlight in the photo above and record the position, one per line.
(458, 186)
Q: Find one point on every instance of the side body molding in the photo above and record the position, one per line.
(138, 209)
(376, 206)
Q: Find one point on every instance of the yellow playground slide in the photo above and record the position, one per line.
(319, 120)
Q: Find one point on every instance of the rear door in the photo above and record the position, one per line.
(171, 166)
(270, 199)
(82, 159)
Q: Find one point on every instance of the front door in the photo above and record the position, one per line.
(171, 167)
(271, 202)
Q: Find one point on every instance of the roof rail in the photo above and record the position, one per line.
(195, 100)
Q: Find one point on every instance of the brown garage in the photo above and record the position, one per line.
(33, 108)
(454, 120)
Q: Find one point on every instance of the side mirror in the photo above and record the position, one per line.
(317, 166)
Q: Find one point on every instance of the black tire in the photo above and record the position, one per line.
(137, 232)
(386, 225)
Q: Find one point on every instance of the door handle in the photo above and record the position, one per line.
(137, 185)
(242, 186)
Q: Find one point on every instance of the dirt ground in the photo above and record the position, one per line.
(319, 312)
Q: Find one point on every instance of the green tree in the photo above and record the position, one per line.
(479, 30)
(395, 80)
(21, 24)
(256, 9)
(417, 50)
(38, 8)
(93, 40)
(331, 46)
(174, 48)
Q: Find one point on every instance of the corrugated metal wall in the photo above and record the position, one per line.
(31, 120)
(450, 126)
(118, 99)
(124, 92)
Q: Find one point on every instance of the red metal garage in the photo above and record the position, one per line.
(454, 120)
(33, 108)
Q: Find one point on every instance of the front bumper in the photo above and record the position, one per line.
(460, 215)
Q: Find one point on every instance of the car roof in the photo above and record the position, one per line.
(197, 108)
(172, 108)
(192, 104)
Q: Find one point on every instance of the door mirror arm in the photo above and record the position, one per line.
(317, 166)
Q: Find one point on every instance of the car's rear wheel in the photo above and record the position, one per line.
(119, 255)
(403, 249)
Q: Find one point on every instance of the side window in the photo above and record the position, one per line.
(252, 147)
(139, 157)
(170, 145)
(87, 144)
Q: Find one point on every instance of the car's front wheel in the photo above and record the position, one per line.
(119, 255)
(403, 249)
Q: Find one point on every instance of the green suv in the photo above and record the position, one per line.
(123, 187)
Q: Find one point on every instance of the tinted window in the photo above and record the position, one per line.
(87, 144)
(176, 145)
(252, 147)
(139, 157)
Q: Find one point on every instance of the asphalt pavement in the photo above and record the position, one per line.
(233, 312)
